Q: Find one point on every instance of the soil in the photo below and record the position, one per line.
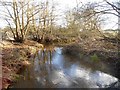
(98, 46)
(15, 58)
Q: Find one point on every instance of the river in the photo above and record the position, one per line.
(50, 68)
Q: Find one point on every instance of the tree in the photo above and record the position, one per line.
(85, 21)
(43, 23)
(110, 8)
(116, 8)
(17, 14)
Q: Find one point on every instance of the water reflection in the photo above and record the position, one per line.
(53, 69)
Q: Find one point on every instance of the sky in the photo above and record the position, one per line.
(64, 5)
(110, 20)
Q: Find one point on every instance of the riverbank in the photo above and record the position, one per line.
(52, 68)
(92, 51)
(15, 57)
(97, 46)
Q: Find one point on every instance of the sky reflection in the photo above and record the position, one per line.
(63, 73)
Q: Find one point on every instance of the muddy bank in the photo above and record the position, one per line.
(101, 48)
(15, 58)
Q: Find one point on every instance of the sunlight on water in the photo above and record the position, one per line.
(97, 77)
(103, 78)
(52, 69)
(60, 78)
(63, 71)
(82, 73)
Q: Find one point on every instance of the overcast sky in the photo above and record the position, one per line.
(69, 4)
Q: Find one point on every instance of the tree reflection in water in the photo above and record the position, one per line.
(43, 65)
(52, 68)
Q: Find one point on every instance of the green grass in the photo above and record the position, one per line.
(94, 58)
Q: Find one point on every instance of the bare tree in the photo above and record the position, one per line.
(17, 15)
(43, 23)
(83, 20)
(115, 7)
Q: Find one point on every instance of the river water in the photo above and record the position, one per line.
(50, 68)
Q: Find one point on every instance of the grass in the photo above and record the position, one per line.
(94, 58)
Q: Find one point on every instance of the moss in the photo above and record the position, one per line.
(94, 58)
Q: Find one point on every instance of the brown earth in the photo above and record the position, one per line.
(14, 58)
(98, 46)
